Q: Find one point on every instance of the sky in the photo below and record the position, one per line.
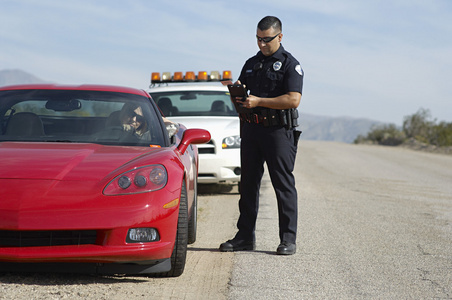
(379, 59)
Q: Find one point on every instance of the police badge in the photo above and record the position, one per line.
(277, 66)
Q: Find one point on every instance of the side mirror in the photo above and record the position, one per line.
(193, 136)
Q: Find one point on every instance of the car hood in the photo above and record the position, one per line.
(213, 124)
(62, 161)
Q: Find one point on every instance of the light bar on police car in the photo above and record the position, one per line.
(190, 76)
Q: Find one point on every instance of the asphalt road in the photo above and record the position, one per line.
(374, 223)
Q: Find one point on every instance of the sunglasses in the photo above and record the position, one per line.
(138, 118)
(266, 39)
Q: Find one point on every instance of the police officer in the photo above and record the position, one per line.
(274, 79)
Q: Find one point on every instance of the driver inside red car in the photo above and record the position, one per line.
(133, 121)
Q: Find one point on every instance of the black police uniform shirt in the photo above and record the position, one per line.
(272, 76)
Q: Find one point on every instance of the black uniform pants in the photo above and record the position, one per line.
(275, 146)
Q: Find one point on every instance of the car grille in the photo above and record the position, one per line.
(208, 148)
(46, 238)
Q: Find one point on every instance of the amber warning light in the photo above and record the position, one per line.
(202, 76)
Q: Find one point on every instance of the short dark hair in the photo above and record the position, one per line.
(270, 21)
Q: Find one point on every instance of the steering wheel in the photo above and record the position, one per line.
(116, 134)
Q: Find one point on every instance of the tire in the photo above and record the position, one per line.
(179, 254)
(193, 220)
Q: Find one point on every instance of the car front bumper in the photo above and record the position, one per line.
(222, 167)
(39, 236)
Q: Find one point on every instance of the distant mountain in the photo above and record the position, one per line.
(339, 129)
(12, 77)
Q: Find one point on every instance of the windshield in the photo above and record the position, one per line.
(194, 103)
(110, 118)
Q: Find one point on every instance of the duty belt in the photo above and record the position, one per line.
(272, 117)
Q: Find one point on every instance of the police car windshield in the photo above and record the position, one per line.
(194, 103)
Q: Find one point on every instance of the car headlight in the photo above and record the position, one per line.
(231, 142)
(139, 180)
(142, 235)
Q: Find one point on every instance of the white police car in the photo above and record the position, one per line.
(203, 102)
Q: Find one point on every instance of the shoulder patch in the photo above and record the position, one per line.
(299, 70)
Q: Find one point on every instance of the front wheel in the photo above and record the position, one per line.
(193, 220)
(179, 254)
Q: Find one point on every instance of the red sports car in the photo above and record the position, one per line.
(92, 181)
